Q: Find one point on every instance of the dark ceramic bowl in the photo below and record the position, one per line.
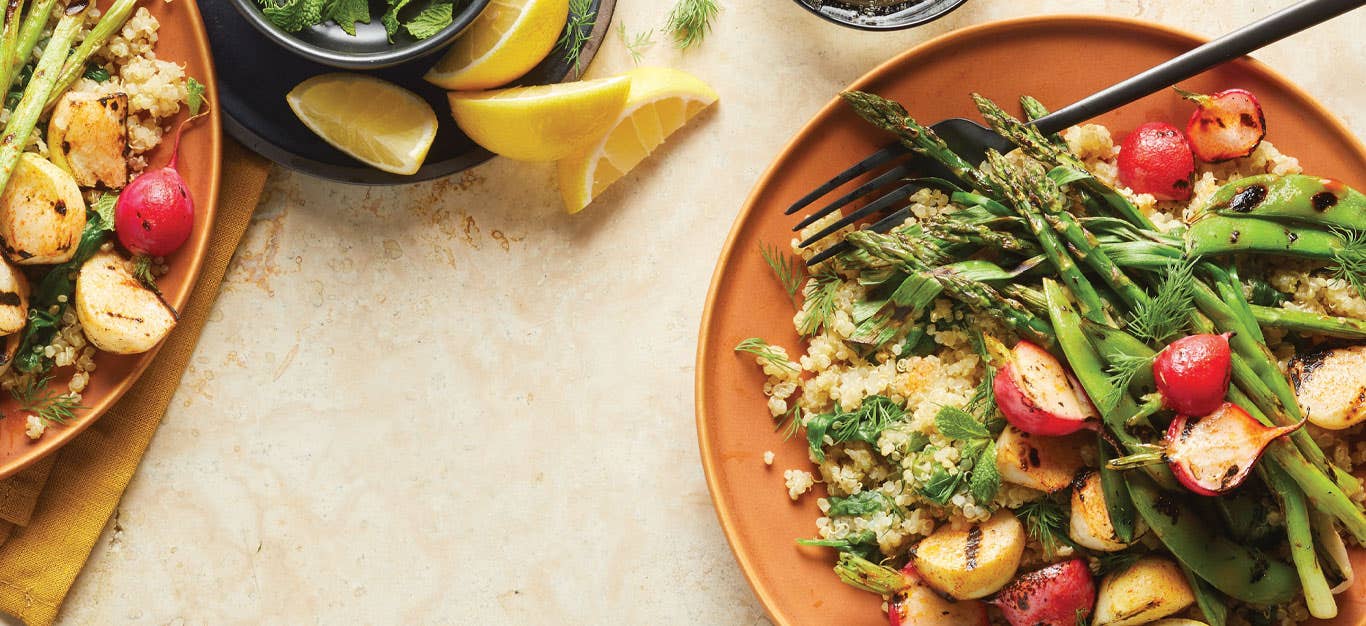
(891, 15)
(369, 48)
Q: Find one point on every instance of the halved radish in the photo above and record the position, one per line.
(1037, 394)
(1226, 125)
(1213, 454)
(1061, 594)
(1193, 373)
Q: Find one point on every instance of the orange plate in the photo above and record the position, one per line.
(1057, 59)
(182, 40)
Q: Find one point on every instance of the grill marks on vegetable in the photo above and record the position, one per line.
(1248, 199)
(1323, 200)
(973, 546)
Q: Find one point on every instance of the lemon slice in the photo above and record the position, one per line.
(541, 123)
(379, 123)
(662, 100)
(508, 39)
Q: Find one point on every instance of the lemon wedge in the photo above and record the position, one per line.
(661, 101)
(544, 122)
(377, 122)
(508, 39)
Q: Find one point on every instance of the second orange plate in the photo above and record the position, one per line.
(1056, 59)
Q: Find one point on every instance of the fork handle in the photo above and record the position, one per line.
(1267, 30)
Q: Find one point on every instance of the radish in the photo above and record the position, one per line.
(1226, 125)
(1155, 159)
(155, 213)
(1211, 455)
(1061, 594)
(1037, 394)
(1193, 373)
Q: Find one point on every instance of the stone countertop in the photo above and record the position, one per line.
(451, 403)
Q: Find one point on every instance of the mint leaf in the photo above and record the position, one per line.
(390, 17)
(194, 98)
(346, 13)
(293, 15)
(955, 423)
(861, 503)
(941, 486)
(431, 20)
(986, 479)
(104, 206)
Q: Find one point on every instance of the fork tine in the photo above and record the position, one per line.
(881, 226)
(896, 195)
(881, 181)
(887, 153)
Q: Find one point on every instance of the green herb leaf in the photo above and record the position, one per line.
(862, 545)
(861, 503)
(636, 44)
(104, 206)
(1111, 562)
(293, 15)
(690, 21)
(760, 348)
(346, 13)
(97, 74)
(142, 271)
(577, 31)
(1350, 261)
(789, 270)
(194, 95)
(915, 442)
(432, 20)
(1168, 313)
(1046, 523)
(390, 18)
(955, 423)
(941, 486)
(986, 479)
(1120, 373)
(819, 304)
(35, 396)
(816, 428)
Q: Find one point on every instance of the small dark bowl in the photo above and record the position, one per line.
(897, 16)
(369, 49)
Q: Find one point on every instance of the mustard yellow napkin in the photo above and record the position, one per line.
(54, 511)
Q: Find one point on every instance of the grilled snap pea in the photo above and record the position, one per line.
(1297, 197)
(1238, 571)
(1217, 235)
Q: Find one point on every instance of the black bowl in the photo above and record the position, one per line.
(893, 15)
(369, 48)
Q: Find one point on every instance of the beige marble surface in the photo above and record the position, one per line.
(452, 403)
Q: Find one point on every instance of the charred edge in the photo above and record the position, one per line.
(1168, 506)
(1259, 567)
(1323, 201)
(124, 317)
(10, 298)
(1234, 236)
(1078, 480)
(1248, 198)
(1230, 477)
(1034, 460)
(1291, 237)
(974, 544)
(60, 207)
(1302, 367)
(1247, 120)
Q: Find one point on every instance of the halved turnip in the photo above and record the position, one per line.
(974, 561)
(14, 290)
(1193, 373)
(1037, 394)
(1038, 462)
(1225, 125)
(1090, 524)
(1061, 594)
(1150, 589)
(1330, 387)
(919, 605)
(118, 313)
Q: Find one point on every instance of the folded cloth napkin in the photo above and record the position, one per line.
(52, 513)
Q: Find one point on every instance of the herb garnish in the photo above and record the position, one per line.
(760, 348)
(820, 295)
(1120, 374)
(979, 458)
(1350, 260)
(866, 424)
(1046, 523)
(296, 15)
(690, 21)
(577, 31)
(789, 270)
(861, 544)
(1168, 312)
(50, 406)
(636, 43)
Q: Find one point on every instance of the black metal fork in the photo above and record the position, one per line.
(971, 140)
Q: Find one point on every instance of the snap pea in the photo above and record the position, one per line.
(1238, 571)
(1305, 322)
(1110, 342)
(1296, 197)
(1213, 236)
(1211, 604)
(1300, 534)
(1117, 503)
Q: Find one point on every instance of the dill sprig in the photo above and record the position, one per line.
(1046, 523)
(790, 422)
(577, 31)
(636, 43)
(1350, 260)
(1169, 311)
(1120, 373)
(760, 348)
(820, 295)
(690, 21)
(789, 270)
(50, 406)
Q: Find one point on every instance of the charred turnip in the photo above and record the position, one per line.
(919, 605)
(974, 561)
(1037, 394)
(1061, 594)
(1225, 125)
(1150, 589)
(1090, 524)
(1040, 462)
(1193, 373)
(1330, 386)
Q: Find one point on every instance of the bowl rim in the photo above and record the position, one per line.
(398, 54)
(912, 23)
(702, 378)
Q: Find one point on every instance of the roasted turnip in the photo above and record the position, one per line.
(1330, 387)
(919, 605)
(1225, 125)
(1090, 524)
(1193, 373)
(13, 299)
(1061, 594)
(974, 561)
(42, 213)
(1039, 462)
(1037, 394)
(1155, 159)
(117, 312)
(1150, 589)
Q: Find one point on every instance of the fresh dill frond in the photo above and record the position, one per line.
(760, 348)
(636, 43)
(50, 406)
(1109, 562)
(790, 422)
(820, 295)
(867, 423)
(789, 270)
(1045, 522)
(690, 21)
(1120, 374)
(577, 31)
(1168, 312)
(1350, 261)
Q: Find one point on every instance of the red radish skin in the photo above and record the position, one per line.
(1214, 454)
(1225, 125)
(1193, 373)
(1037, 395)
(918, 605)
(155, 213)
(1155, 159)
(1061, 594)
